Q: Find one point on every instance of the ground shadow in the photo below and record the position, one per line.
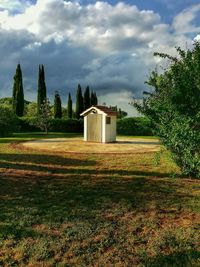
(12, 160)
(182, 258)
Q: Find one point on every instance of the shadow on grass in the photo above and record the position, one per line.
(78, 192)
(56, 165)
(81, 198)
(183, 259)
(21, 161)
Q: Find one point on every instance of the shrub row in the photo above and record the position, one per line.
(56, 125)
(134, 126)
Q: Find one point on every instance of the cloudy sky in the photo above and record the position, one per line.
(107, 45)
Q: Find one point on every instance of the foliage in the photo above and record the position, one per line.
(86, 99)
(57, 106)
(18, 93)
(30, 110)
(120, 113)
(94, 99)
(79, 102)
(44, 117)
(134, 126)
(41, 88)
(6, 101)
(69, 107)
(30, 124)
(66, 125)
(174, 108)
(8, 121)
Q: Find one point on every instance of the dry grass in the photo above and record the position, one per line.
(63, 209)
(77, 145)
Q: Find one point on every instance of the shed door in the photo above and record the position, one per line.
(94, 127)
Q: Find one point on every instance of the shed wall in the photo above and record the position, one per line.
(94, 127)
(111, 130)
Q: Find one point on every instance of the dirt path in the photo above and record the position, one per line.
(77, 145)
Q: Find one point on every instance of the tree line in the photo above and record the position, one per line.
(83, 99)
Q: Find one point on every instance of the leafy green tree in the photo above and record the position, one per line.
(86, 99)
(44, 116)
(79, 102)
(31, 110)
(57, 106)
(174, 108)
(69, 107)
(8, 121)
(41, 87)
(18, 93)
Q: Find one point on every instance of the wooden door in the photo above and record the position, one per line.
(94, 128)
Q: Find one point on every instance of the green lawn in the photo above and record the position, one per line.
(95, 210)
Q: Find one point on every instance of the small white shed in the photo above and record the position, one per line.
(99, 124)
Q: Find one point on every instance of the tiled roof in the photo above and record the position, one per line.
(106, 110)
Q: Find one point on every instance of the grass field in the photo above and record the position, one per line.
(94, 209)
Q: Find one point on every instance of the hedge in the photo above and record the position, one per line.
(8, 121)
(127, 126)
(27, 124)
(134, 126)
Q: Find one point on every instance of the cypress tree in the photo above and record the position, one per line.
(44, 90)
(18, 93)
(86, 99)
(79, 102)
(57, 106)
(41, 87)
(69, 106)
(95, 99)
(92, 98)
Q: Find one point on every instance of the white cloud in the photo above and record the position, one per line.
(183, 21)
(109, 47)
(101, 26)
(197, 38)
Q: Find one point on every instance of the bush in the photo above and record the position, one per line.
(134, 126)
(28, 124)
(66, 125)
(174, 107)
(182, 138)
(56, 125)
(8, 121)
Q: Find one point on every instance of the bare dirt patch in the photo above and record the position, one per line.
(77, 145)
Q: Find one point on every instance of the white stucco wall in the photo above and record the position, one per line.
(85, 128)
(111, 130)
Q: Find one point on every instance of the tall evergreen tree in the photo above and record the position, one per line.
(79, 102)
(69, 106)
(43, 82)
(18, 93)
(41, 87)
(94, 100)
(57, 106)
(86, 99)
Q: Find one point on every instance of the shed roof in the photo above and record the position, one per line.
(104, 109)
